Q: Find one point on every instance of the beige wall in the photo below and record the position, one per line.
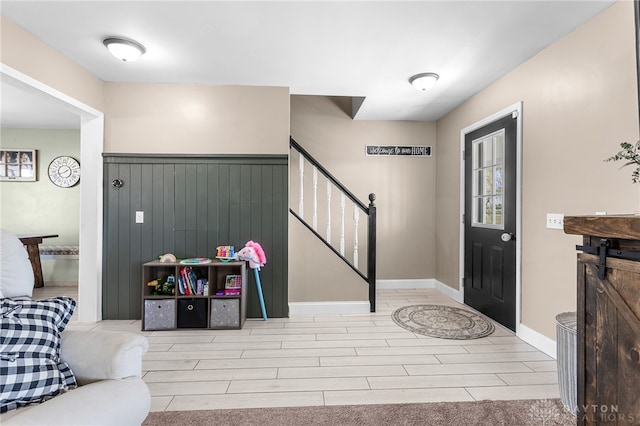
(579, 102)
(22, 51)
(315, 272)
(404, 187)
(183, 118)
(163, 118)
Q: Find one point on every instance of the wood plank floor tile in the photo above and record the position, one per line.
(423, 382)
(188, 388)
(502, 393)
(396, 396)
(351, 371)
(248, 400)
(298, 385)
(473, 368)
(316, 360)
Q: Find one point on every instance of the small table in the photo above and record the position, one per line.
(31, 242)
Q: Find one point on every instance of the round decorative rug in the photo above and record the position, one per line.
(445, 322)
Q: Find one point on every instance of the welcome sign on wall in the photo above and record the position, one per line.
(398, 150)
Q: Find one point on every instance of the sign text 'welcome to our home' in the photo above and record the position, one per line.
(396, 150)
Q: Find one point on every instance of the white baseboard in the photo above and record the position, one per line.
(328, 308)
(354, 307)
(411, 283)
(61, 283)
(537, 340)
(449, 291)
(421, 283)
(59, 256)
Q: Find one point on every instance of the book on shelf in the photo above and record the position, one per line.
(181, 288)
(189, 284)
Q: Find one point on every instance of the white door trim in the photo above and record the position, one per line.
(91, 147)
(515, 108)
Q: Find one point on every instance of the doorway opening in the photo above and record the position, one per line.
(91, 146)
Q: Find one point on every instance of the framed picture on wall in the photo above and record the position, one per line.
(18, 165)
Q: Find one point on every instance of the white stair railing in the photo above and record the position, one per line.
(356, 218)
(315, 198)
(342, 209)
(328, 237)
(351, 234)
(301, 174)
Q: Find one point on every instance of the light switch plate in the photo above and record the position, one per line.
(555, 220)
(139, 217)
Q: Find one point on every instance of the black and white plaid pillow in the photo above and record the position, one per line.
(30, 364)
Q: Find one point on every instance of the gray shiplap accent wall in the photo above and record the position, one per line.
(191, 205)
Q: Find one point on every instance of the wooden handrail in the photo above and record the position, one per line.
(325, 172)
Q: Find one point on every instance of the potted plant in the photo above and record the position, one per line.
(631, 154)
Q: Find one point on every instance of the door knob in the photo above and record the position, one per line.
(507, 236)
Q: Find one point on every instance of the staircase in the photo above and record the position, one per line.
(321, 201)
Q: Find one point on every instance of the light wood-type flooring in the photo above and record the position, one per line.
(332, 360)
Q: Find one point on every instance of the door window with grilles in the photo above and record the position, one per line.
(488, 181)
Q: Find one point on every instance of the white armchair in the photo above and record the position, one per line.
(108, 367)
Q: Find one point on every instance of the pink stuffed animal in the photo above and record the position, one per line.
(253, 252)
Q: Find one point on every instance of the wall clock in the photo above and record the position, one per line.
(64, 171)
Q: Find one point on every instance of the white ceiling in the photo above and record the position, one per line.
(365, 49)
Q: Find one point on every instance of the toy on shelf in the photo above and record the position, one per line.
(254, 253)
(233, 285)
(159, 287)
(195, 261)
(168, 258)
(225, 253)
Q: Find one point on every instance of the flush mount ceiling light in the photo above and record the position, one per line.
(424, 81)
(125, 50)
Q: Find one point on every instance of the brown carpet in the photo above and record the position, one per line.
(494, 413)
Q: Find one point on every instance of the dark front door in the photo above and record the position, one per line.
(490, 220)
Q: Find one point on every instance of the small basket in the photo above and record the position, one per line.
(567, 358)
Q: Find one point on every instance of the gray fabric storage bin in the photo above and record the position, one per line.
(567, 359)
(159, 314)
(225, 313)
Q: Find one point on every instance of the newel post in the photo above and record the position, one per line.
(371, 252)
